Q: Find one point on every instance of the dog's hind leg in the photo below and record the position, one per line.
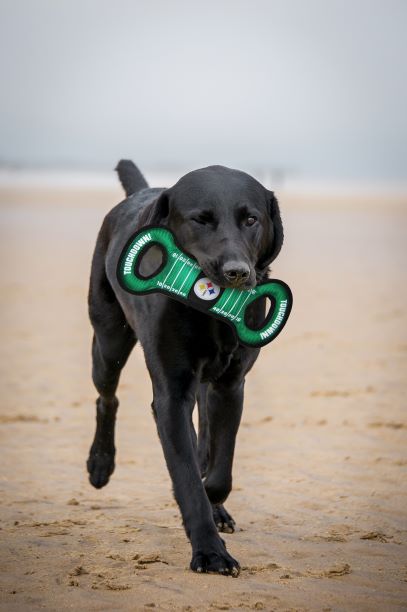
(108, 361)
(113, 342)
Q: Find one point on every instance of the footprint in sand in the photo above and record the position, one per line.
(254, 569)
(79, 570)
(110, 586)
(143, 560)
(21, 418)
(340, 569)
(388, 424)
(341, 393)
(379, 536)
(107, 580)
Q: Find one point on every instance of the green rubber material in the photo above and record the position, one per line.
(180, 277)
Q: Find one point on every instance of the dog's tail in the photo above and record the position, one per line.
(130, 176)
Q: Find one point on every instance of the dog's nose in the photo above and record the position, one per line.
(236, 272)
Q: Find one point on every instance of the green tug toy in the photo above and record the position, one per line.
(180, 277)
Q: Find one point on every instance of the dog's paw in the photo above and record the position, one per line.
(223, 521)
(100, 466)
(215, 558)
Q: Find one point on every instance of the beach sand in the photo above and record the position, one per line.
(319, 493)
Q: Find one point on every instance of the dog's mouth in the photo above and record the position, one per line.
(242, 285)
(223, 283)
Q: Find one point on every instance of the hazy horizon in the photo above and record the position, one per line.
(312, 90)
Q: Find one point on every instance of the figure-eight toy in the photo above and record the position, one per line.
(179, 276)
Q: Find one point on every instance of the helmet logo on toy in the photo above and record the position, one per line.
(205, 289)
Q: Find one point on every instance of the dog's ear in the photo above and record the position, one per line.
(273, 235)
(156, 212)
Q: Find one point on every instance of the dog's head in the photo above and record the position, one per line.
(227, 220)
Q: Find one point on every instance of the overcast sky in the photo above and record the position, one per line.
(317, 88)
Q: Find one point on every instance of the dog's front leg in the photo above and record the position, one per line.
(174, 399)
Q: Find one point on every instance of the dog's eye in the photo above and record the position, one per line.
(251, 220)
(203, 219)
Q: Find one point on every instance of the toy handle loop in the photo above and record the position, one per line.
(275, 318)
(131, 260)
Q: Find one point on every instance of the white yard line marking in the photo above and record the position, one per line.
(247, 297)
(185, 279)
(178, 273)
(230, 295)
(230, 309)
(172, 267)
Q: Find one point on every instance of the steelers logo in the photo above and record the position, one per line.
(205, 289)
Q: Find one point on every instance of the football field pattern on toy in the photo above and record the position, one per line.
(179, 276)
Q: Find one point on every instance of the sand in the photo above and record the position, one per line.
(319, 492)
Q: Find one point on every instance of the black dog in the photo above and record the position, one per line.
(231, 224)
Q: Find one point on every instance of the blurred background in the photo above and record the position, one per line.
(302, 94)
(310, 97)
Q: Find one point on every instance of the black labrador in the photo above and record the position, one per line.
(231, 224)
